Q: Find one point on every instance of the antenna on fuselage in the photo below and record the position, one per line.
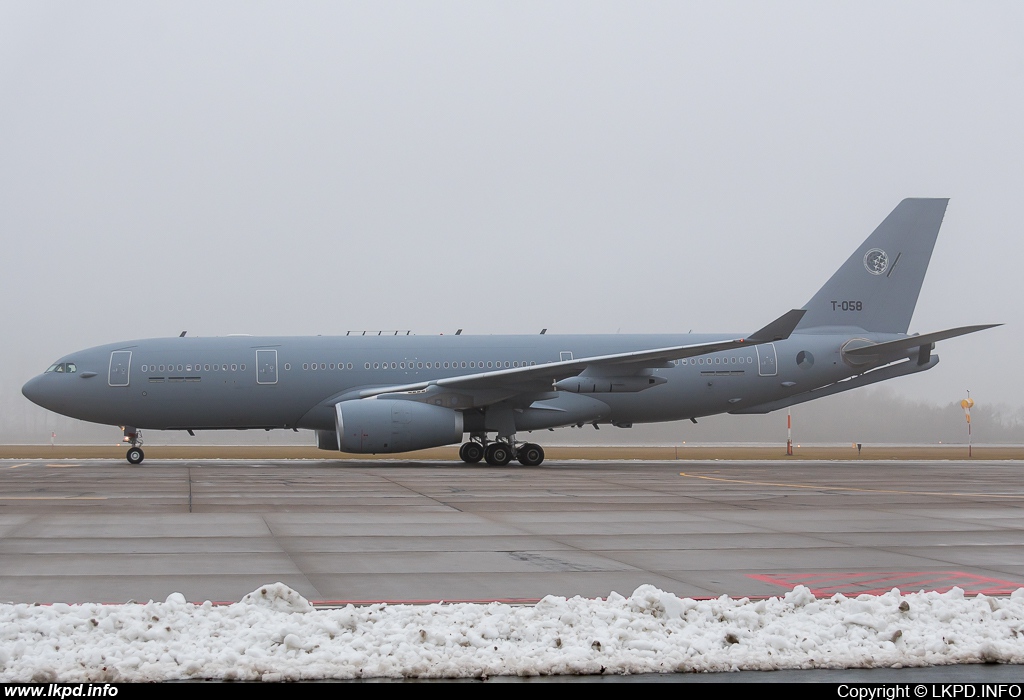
(543, 331)
(183, 334)
(458, 332)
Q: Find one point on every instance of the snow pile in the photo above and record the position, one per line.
(275, 634)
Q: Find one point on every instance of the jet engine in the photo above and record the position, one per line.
(373, 426)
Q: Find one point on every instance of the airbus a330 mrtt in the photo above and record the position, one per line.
(394, 393)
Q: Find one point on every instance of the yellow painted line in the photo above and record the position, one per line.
(820, 487)
(63, 466)
(23, 464)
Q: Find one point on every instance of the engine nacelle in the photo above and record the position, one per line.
(377, 426)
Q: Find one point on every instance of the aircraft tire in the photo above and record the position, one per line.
(530, 455)
(136, 455)
(498, 454)
(471, 452)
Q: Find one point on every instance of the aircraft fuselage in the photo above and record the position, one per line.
(294, 382)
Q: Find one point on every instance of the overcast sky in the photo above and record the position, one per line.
(311, 168)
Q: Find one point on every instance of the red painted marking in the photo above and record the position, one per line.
(879, 582)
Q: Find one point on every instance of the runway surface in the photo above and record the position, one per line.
(99, 530)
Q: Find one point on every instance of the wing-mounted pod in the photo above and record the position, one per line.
(584, 384)
(563, 409)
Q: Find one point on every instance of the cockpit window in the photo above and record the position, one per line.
(72, 368)
(63, 368)
(53, 368)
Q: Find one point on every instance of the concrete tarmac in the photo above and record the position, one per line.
(362, 531)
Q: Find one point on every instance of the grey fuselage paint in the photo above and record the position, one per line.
(172, 384)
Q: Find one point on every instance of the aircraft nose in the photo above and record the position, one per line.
(34, 392)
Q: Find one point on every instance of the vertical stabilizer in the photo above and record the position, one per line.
(877, 287)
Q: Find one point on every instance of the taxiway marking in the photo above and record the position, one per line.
(823, 487)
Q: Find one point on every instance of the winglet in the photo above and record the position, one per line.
(779, 329)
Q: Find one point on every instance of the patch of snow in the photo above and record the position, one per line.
(274, 633)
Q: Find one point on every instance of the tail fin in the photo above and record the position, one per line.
(877, 288)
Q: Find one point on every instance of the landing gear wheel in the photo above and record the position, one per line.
(471, 452)
(498, 454)
(530, 455)
(136, 455)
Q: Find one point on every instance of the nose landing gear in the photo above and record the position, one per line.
(135, 454)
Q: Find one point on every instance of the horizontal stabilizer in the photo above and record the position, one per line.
(900, 369)
(893, 347)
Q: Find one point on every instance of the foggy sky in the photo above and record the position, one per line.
(313, 168)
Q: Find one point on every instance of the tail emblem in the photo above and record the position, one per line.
(876, 261)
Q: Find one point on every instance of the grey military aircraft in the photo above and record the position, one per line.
(377, 393)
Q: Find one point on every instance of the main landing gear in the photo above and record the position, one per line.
(501, 452)
(135, 454)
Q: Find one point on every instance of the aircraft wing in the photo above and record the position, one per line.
(540, 377)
